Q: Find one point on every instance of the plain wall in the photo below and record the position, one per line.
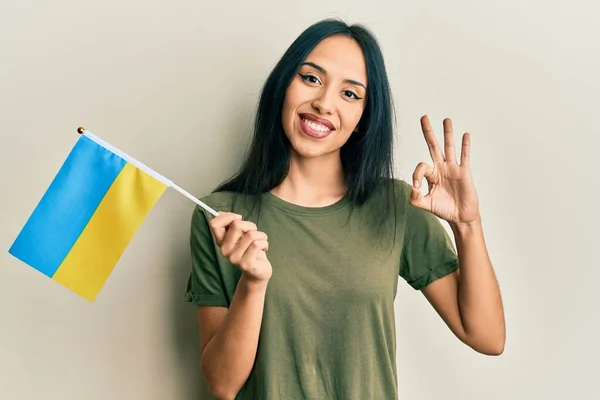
(175, 85)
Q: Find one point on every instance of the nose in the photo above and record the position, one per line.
(323, 103)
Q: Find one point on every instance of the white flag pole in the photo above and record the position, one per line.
(136, 163)
(195, 200)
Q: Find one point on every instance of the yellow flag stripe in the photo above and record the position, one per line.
(94, 255)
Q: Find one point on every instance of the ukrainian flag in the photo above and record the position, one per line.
(88, 215)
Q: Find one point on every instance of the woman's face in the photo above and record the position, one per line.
(326, 99)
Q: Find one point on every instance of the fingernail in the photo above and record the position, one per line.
(416, 184)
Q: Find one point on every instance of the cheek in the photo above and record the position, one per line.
(352, 118)
(286, 113)
(290, 104)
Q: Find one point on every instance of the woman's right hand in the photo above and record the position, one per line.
(243, 245)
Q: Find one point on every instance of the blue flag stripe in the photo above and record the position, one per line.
(67, 206)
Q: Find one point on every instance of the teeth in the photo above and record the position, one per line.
(315, 126)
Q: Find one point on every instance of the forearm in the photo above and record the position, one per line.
(479, 299)
(229, 356)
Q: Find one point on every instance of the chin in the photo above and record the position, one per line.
(303, 148)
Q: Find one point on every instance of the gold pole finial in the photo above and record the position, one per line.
(80, 130)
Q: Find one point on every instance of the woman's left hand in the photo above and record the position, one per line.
(451, 195)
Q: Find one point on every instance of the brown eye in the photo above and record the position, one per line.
(310, 78)
(351, 94)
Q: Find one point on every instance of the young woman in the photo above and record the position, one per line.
(296, 278)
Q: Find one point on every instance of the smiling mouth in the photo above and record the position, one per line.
(315, 129)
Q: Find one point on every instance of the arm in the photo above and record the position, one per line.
(469, 300)
(229, 335)
(229, 339)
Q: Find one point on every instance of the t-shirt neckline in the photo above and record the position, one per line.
(303, 210)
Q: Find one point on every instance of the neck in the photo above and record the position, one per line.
(314, 182)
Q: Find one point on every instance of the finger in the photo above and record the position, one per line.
(234, 234)
(423, 170)
(418, 200)
(254, 250)
(449, 141)
(465, 153)
(242, 245)
(432, 144)
(218, 225)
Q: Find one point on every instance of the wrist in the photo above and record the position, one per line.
(251, 284)
(467, 228)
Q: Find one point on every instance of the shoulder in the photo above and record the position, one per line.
(401, 189)
(393, 191)
(220, 201)
(225, 201)
(392, 199)
(387, 207)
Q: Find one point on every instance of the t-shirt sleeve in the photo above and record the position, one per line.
(205, 284)
(428, 252)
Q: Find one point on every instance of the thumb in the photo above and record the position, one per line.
(418, 200)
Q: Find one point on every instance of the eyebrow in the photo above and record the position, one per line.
(322, 70)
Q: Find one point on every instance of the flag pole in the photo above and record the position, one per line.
(81, 130)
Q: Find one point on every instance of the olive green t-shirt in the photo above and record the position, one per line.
(328, 329)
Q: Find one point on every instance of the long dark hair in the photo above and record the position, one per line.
(367, 155)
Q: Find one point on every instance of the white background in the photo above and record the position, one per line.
(175, 84)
